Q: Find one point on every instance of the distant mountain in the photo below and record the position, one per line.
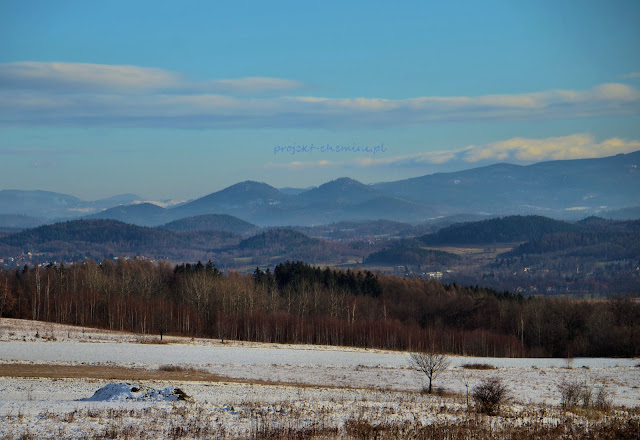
(630, 213)
(346, 199)
(245, 200)
(39, 203)
(567, 189)
(339, 192)
(562, 189)
(341, 199)
(142, 214)
(19, 221)
(218, 222)
(294, 191)
(51, 205)
(121, 199)
(389, 208)
(497, 230)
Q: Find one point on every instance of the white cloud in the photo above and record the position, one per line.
(564, 103)
(83, 76)
(37, 93)
(632, 75)
(514, 150)
(249, 85)
(615, 92)
(59, 76)
(576, 146)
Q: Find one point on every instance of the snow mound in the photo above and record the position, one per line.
(126, 391)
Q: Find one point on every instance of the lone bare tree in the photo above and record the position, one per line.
(431, 364)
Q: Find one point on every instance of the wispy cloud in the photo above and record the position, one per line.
(514, 150)
(75, 94)
(249, 85)
(82, 77)
(44, 164)
(57, 76)
(519, 150)
(576, 146)
(631, 75)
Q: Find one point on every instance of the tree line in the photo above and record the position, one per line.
(299, 303)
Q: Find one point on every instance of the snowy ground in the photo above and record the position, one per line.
(351, 384)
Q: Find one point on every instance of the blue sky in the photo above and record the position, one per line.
(180, 99)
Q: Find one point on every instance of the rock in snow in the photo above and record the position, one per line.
(126, 391)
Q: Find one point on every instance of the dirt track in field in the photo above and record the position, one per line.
(107, 372)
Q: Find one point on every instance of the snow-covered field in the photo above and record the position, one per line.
(309, 386)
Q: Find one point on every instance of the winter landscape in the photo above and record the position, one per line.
(70, 382)
(319, 220)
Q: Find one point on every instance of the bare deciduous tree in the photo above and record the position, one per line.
(431, 364)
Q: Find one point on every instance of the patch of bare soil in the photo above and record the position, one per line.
(108, 372)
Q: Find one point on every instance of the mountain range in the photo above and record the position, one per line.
(564, 189)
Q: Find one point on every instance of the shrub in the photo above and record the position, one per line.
(570, 393)
(180, 369)
(438, 391)
(490, 395)
(152, 341)
(478, 366)
(604, 400)
(575, 393)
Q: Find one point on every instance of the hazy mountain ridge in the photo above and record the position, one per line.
(550, 188)
(142, 214)
(567, 189)
(339, 192)
(51, 205)
(218, 222)
(19, 221)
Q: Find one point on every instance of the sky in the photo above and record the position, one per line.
(176, 100)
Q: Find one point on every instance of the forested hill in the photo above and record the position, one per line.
(498, 230)
(90, 231)
(411, 255)
(218, 222)
(97, 239)
(598, 238)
